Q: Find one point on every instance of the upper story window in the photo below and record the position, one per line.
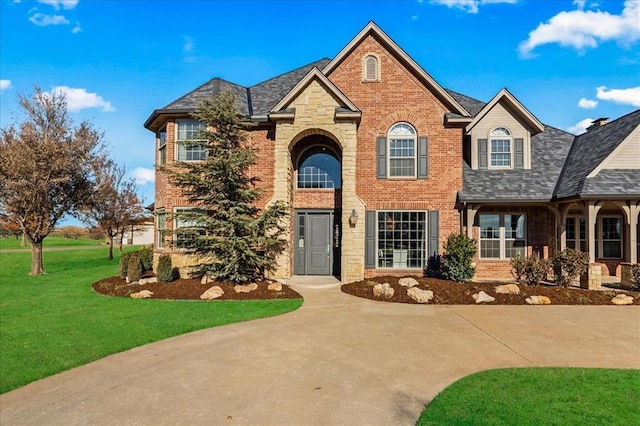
(371, 68)
(189, 146)
(319, 167)
(500, 148)
(162, 146)
(402, 150)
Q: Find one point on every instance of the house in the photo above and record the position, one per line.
(380, 163)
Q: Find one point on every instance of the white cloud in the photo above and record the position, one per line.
(587, 103)
(4, 85)
(143, 176)
(583, 29)
(77, 28)
(78, 99)
(469, 6)
(189, 44)
(42, 20)
(57, 4)
(630, 96)
(580, 126)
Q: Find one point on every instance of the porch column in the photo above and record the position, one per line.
(592, 209)
(561, 211)
(634, 210)
(472, 209)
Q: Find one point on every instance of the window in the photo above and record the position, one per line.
(187, 227)
(161, 220)
(319, 167)
(162, 146)
(371, 68)
(500, 148)
(401, 239)
(502, 236)
(189, 146)
(611, 237)
(402, 151)
(576, 227)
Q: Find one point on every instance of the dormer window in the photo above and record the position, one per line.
(371, 68)
(500, 148)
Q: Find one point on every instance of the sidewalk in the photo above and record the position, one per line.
(337, 360)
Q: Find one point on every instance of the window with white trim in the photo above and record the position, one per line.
(401, 239)
(402, 150)
(500, 148)
(161, 221)
(502, 235)
(371, 68)
(162, 146)
(186, 227)
(189, 146)
(576, 233)
(319, 168)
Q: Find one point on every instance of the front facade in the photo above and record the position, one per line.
(379, 164)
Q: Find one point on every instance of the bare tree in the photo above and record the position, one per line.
(114, 205)
(47, 167)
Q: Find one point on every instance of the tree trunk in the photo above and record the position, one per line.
(110, 256)
(120, 242)
(36, 259)
(24, 240)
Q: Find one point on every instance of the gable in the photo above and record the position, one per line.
(625, 156)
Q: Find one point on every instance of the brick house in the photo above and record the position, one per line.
(380, 163)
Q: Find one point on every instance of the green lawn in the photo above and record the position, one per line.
(539, 396)
(9, 243)
(54, 322)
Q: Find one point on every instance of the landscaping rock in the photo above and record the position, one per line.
(483, 297)
(538, 300)
(408, 282)
(383, 290)
(144, 294)
(420, 296)
(207, 279)
(247, 288)
(212, 293)
(622, 299)
(274, 287)
(507, 289)
(150, 280)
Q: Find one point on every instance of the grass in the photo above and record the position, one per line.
(11, 243)
(55, 322)
(539, 396)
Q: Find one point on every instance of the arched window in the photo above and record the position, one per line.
(402, 150)
(500, 148)
(319, 167)
(371, 68)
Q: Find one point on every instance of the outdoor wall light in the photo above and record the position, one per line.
(353, 219)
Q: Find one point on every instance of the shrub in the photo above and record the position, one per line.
(635, 276)
(530, 270)
(165, 273)
(123, 266)
(434, 266)
(569, 264)
(146, 258)
(134, 269)
(459, 251)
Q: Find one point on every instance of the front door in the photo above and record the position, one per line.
(314, 251)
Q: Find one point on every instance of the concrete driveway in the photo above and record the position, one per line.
(337, 360)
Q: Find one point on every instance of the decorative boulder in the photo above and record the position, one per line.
(507, 289)
(150, 280)
(212, 293)
(622, 299)
(538, 300)
(408, 282)
(274, 287)
(247, 288)
(483, 297)
(420, 296)
(144, 294)
(207, 279)
(383, 290)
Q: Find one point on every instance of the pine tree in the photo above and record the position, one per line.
(233, 238)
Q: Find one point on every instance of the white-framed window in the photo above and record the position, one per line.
(401, 239)
(500, 147)
(186, 227)
(609, 237)
(319, 168)
(188, 145)
(402, 150)
(502, 235)
(576, 233)
(161, 221)
(371, 68)
(162, 146)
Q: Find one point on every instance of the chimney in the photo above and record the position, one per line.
(599, 122)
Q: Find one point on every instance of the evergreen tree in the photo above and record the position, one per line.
(233, 238)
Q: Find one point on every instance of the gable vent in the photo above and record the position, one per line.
(371, 68)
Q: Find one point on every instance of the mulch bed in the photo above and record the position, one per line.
(452, 293)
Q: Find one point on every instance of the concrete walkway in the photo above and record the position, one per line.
(337, 360)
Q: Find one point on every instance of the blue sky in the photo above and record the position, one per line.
(567, 61)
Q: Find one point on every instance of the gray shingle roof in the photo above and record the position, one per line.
(614, 182)
(548, 149)
(209, 89)
(589, 150)
(470, 104)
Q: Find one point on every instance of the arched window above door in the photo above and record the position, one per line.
(319, 168)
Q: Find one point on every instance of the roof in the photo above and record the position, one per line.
(505, 96)
(548, 150)
(588, 151)
(614, 182)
